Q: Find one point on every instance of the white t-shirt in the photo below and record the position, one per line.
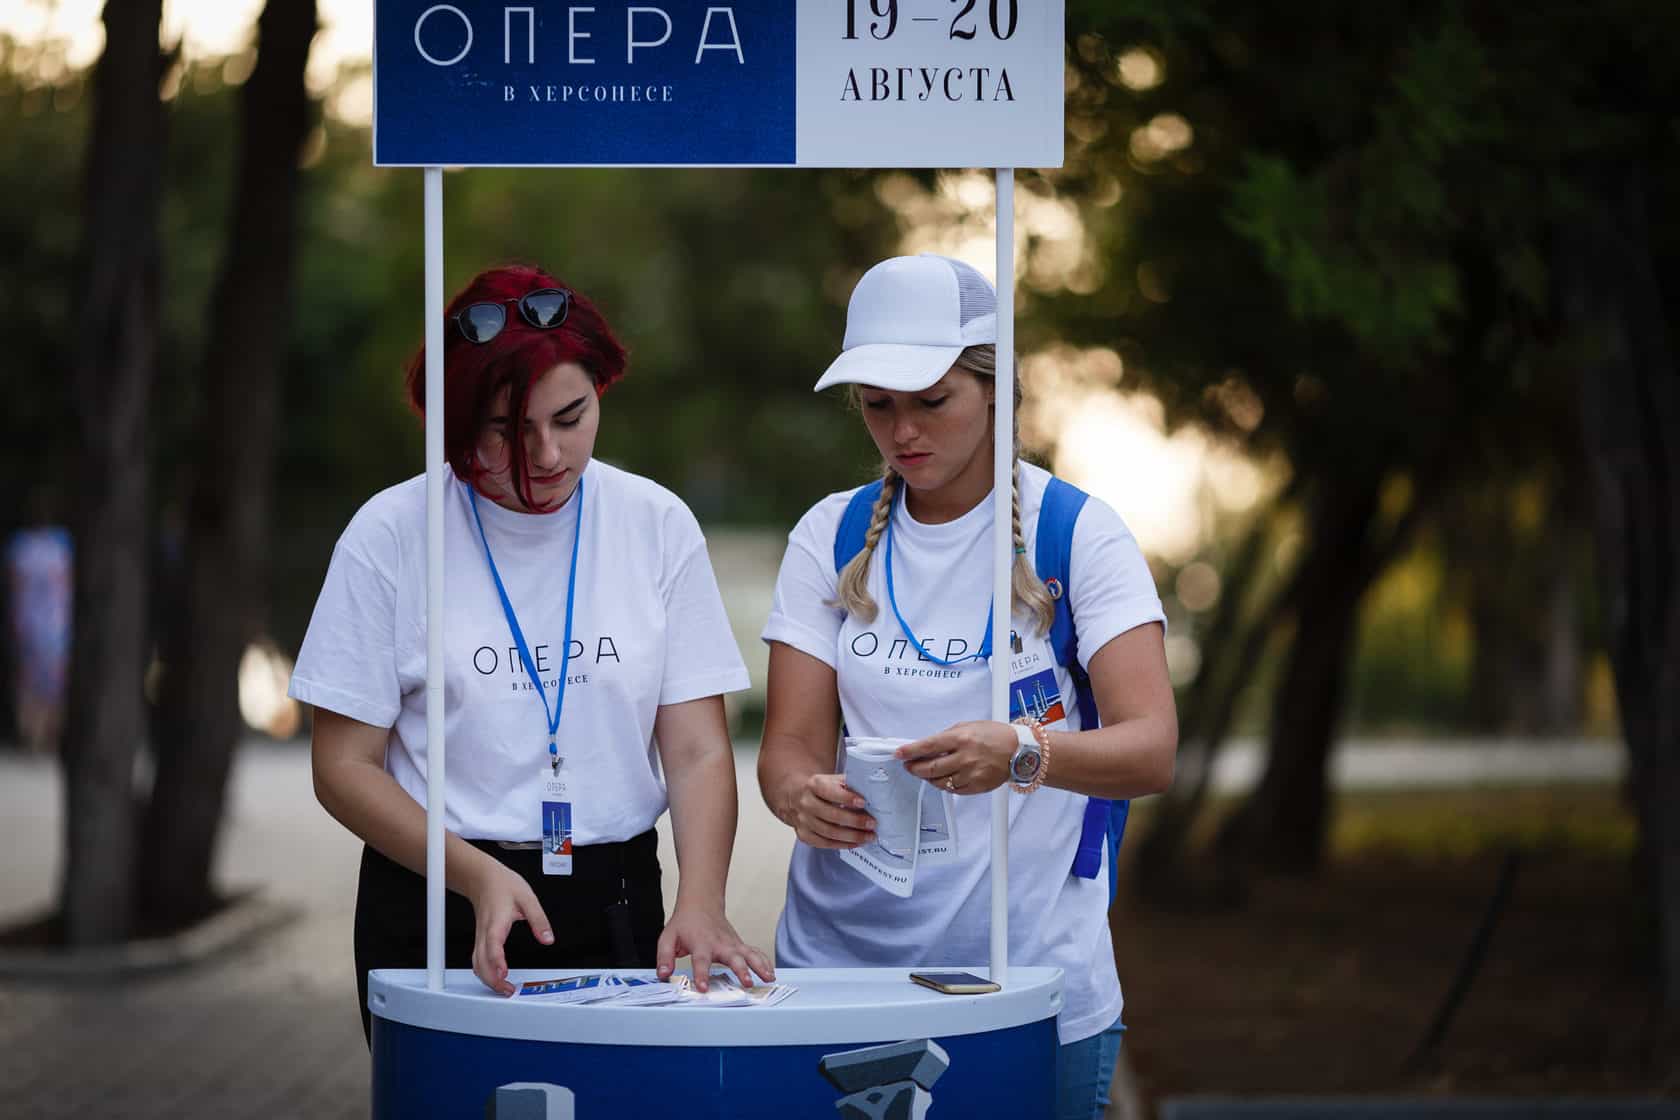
(943, 579)
(648, 629)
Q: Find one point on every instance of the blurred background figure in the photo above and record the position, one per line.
(40, 574)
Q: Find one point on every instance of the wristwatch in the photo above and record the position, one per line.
(1026, 765)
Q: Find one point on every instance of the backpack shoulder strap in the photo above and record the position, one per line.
(854, 524)
(1057, 516)
(1105, 821)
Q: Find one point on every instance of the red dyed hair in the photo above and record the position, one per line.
(474, 373)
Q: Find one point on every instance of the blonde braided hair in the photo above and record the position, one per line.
(1027, 590)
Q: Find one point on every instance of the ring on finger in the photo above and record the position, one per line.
(951, 782)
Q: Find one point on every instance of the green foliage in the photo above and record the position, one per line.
(1348, 213)
(43, 112)
(1411, 673)
(1358, 228)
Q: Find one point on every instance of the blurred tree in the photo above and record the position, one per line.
(1630, 397)
(224, 604)
(115, 294)
(1345, 336)
(1526, 674)
(1360, 199)
(1335, 232)
(1237, 639)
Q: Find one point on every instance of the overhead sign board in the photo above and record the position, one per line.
(803, 83)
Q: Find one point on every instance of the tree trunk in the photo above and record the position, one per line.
(229, 510)
(1559, 674)
(1282, 824)
(1525, 677)
(1630, 397)
(116, 302)
(1232, 655)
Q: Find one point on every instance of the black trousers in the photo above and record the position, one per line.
(608, 913)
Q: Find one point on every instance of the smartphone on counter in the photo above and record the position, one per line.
(955, 983)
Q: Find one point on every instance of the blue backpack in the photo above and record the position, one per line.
(1105, 821)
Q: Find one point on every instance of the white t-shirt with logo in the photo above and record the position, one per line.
(648, 629)
(942, 575)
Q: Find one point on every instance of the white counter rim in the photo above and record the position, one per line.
(832, 1006)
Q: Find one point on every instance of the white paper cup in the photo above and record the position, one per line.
(892, 793)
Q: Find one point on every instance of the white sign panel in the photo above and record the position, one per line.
(930, 83)
(807, 83)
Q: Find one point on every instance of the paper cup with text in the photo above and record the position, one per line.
(893, 793)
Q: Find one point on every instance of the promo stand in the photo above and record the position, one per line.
(864, 1041)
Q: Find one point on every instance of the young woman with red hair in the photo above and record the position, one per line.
(586, 653)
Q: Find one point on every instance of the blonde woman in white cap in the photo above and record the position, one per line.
(881, 624)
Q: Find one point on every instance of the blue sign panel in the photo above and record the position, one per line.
(420, 1073)
(494, 82)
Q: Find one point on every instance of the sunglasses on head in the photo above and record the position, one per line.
(544, 309)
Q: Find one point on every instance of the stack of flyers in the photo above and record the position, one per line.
(726, 991)
(600, 988)
(565, 989)
(639, 991)
(608, 989)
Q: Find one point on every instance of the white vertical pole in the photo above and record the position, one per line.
(434, 578)
(1003, 545)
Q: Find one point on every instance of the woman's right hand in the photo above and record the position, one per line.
(827, 814)
(796, 759)
(501, 898)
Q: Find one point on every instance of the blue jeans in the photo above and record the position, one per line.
(1083, 1072)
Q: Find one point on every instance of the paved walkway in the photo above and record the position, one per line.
(272, 1031)
(265, 1032)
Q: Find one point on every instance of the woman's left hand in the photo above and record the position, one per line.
(965, 758)
(707, 937)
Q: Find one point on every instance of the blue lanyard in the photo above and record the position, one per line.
(519, 637)
(985, 643)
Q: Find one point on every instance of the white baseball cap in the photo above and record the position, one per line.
(908, 319)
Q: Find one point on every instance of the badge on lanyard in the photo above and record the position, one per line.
(556, 825)
(1033, 689)
(556, 812)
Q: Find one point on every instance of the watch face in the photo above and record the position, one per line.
(1024, 766)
